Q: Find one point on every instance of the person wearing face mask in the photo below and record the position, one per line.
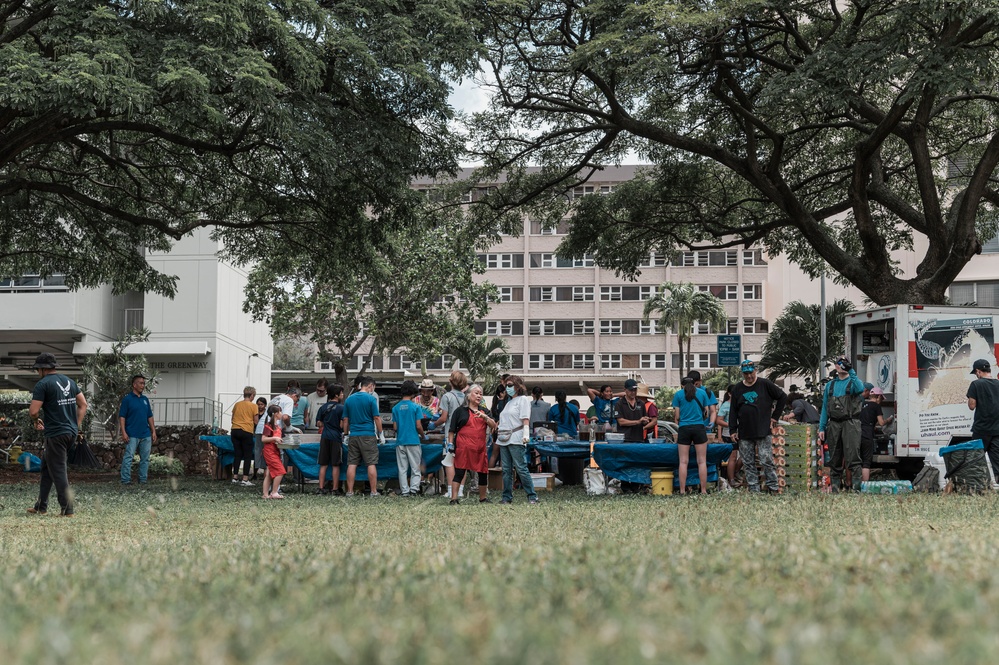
(514, 435)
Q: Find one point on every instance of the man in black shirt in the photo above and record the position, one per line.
(631, 420)
(871, 415)
(756, 405)
(983, 399)
(57, 409)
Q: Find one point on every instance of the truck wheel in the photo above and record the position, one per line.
(909, 468)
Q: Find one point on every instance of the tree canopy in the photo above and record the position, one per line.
(832, 132)
(415, 291)
(125, 125)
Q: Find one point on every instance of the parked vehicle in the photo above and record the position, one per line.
(921, 357)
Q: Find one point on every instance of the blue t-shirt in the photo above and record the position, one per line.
(298, 415)
(361, 409)
(606, 410)
(330, 414)
(57, 393)
(691, 413)
(566, 425)
(136, 411)
(405, 415)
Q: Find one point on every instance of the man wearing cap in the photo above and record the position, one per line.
(839, 424)
(983, 399)
(756, 405)
(868, 387)
(57, 408)
(135, 420)
(871, 415)
(631, 418)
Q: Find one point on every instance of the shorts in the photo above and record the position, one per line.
(273, 458)
(691, 434)
(362, 449)
(866, 453)
(330, 452)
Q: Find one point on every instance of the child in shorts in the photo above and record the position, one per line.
(275, 469)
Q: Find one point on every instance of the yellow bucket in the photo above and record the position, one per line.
(662, 483)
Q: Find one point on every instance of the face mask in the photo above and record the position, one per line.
(510, 391)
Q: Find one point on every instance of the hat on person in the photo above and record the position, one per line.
(427, 383)
(868, 386)
(45, 361)
(631, 384)
(747, 366)
(877, 391)
(981, 365)
(643, 390)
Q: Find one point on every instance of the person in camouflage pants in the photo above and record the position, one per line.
(756, 405)
(760, 452)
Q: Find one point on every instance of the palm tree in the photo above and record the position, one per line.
(793, 345)
(682, 305)
(484, 358)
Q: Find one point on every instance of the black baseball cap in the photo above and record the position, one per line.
(631, 384)
(981, 365)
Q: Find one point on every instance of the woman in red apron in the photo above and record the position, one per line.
(470, 426)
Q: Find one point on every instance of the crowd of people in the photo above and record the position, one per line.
(476, 438)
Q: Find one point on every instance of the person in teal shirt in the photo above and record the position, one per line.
(407, 416)
(839, 424)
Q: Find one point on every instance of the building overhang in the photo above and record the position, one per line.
(154, 348)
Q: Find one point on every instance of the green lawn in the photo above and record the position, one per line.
(204, 572)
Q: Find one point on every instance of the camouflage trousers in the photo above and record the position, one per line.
(761, 452)
(844, 449)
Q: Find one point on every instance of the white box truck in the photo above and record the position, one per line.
(921, 357)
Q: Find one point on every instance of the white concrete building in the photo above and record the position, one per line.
(201, 343)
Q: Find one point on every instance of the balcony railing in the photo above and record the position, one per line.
(186, 410)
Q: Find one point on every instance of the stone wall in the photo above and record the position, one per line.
(183, 443)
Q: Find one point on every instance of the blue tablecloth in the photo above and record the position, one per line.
(633, 462)
(570, 449)
(305, 458)
(224, 443)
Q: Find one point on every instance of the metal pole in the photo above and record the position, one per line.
(822, 320)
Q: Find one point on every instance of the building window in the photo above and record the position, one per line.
(648, 327)
(610, 361)
(753, 257)
(620, 327)
(653, 361)
(606, 189)
(511, 294)
(732, 327)
(582, 293)
(542, 293)
(580, 192)
(495, 328)
(752, 292)
(721, 291)
(655, 260)
(582, 327)
(701, 328)
(542, 361)
(755, 327)
(517, 361)
(983, 294)
(582, 361)
(537, 229)
(696, 361)
(610, 327)
(501, 261)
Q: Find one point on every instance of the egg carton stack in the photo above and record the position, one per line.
(794, 457)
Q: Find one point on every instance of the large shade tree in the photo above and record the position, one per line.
(125, 125)
(837, 133)
(677, 307)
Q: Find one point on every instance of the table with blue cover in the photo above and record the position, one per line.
(226, 452)
(305, 458)
(633, 462)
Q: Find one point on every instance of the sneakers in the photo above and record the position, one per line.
(235, 481)
(534, 501)
(453, 502)
(348, 494)
(486, 500)
(246, 483)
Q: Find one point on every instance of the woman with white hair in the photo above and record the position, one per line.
(470, 427)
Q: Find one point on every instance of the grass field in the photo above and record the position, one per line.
(202, 572)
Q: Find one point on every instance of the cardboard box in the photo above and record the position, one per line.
(496, 479)
(542, 482)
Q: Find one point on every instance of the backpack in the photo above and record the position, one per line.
(927, 480)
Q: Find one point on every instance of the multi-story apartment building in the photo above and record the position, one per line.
(201, 343)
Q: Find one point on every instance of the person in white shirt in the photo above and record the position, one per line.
(315, 401)
(514, 433)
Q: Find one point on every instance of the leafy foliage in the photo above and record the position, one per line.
(484, 358)
(106, 379)
(294, 353)
(415, 290)
(836, 133)
(126, 125)
(679, 306)
(793, 346)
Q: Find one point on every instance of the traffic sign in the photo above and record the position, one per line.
(729, 350)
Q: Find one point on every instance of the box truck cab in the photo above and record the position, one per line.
(921, 357)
